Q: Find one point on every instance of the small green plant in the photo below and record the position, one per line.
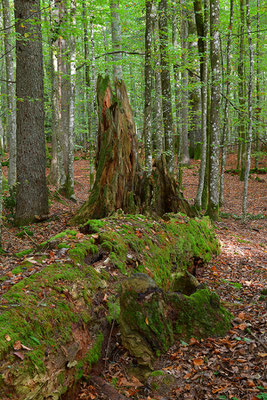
(9, 203)
(262, 396)
(234, 284)
(25, 232)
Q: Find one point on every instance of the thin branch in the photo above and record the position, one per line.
(121, 51)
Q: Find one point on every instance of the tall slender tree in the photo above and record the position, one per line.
(11, 98)
(226, 104)
(213, 204)
(148, 88)
(166, 84)
(250, 87)
(202, 24)
(184, 85)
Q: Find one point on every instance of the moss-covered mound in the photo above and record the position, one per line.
(150, 319)
(52, 323)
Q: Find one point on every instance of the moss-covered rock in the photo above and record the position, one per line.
(150, 318)
(199, 315)
(145, 328)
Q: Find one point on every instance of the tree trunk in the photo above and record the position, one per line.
(194, 130)
(158, 145)
(258, 94)
(64, 70)
(166, 84)
(11, 98)
(184, 86)
(32, 195)
(148, 88)
(226, 105)
(250, 83)
(120, 183)
(213, 206)
(241, 94)
(88, 96)
(116, 39)
(202, 24)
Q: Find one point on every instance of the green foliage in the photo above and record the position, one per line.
(9, 203)
(25, 232)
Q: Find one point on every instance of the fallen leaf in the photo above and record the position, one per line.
(19, 354)
(147, 321)
(198, 361)
(242, 315)
(242, 326)
(7, 337)
(17, 345)
(193, 341)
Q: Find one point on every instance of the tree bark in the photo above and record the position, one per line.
(11, 98)
(148, 89)
(213, 205)
(202, 24)
(226, 105)
(116, 39)
(166, 84)
(241, 95)
(158, 142)
(32, 195)
(88, 96)
(184, 85)
(250, 83)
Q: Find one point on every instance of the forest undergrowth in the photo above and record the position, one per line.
(232, 367)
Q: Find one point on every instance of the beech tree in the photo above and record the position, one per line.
(32, 195)
(11, 98)
(213, 205)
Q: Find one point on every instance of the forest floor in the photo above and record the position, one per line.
(232, 367)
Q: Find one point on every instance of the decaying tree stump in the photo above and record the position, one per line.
(120, 182)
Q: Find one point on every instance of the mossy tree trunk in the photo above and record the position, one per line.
(120, 182)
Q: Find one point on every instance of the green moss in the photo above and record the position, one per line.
(157, 373)
(82, 249)
(63, 245)
(16, 270)
(91, 357)
(199, 315)
(106, 245)
(23, 253)
(113, 310)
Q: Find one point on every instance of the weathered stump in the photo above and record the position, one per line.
(120, 182)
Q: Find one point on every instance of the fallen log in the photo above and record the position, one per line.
(53, 323)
